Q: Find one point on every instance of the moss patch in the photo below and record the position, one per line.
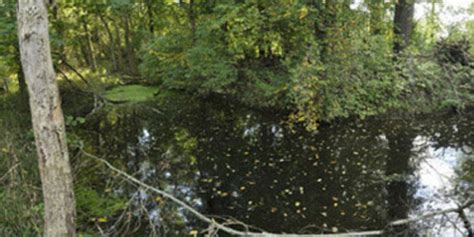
(131, 93)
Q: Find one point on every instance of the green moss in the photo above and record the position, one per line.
(92, 204)
(131, 93)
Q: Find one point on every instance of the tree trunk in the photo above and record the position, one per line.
(89, 46)
(400, 142)
(403, 24)
(111, 43)
(151, 18)
(192, 20)
(132, 66)
(47, 118)
(58, 26)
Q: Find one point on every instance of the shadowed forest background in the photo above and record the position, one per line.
(294, 116)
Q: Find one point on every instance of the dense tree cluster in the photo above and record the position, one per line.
(318, 59)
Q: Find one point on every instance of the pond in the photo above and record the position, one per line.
(241, 165)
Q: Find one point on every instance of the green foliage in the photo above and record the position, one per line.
(93, 205)
(131, 93)
(321, 61)
(74, 121)
(21, 208)
(240, 49)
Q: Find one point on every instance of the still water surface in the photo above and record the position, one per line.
(233, 162)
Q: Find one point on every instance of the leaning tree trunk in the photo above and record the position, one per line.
(47, 118)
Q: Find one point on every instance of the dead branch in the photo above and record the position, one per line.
(432, 214)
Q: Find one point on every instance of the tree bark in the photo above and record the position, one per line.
(192, 20)
(89, 46)
(47, 119)
(118, 45)
(111, 43)
(132, 65)
(151, 17)
(403, 24)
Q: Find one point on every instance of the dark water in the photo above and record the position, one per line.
(232, 162)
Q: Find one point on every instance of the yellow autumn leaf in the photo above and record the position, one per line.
(303, 12)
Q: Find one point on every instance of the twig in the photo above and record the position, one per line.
(9, 171)
(432, 214)
(466, 222)
(75, 71)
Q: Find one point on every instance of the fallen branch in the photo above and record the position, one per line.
(232, 231)
(171, 197)
(432, 214)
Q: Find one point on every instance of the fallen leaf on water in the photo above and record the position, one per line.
(193, 233)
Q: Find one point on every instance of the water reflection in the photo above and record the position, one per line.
(249, 165)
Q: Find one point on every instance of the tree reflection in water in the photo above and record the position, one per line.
(235, 162)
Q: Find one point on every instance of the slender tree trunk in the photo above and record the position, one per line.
(400, 141)
(192, 19)
(84, 54)
(151, 20)
(59, 28)
(132, 66)
(89, 46)
(111, 43)
(47, 118)
(403, 24)
(118, 44)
